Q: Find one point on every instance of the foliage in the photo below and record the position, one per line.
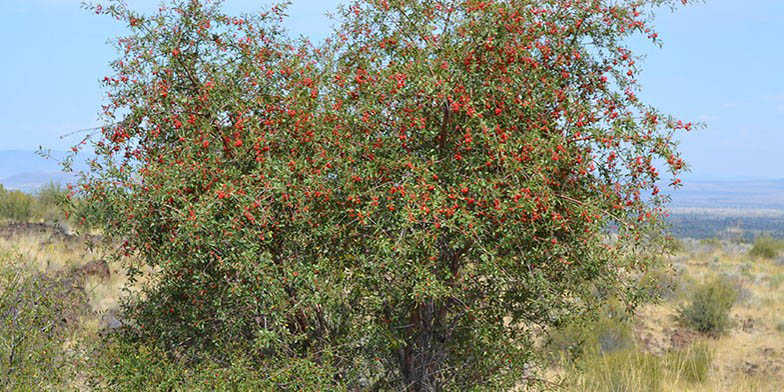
(709, 307)
(674, 245)
(33, 353)
(712, 241)
(766, 248)
(414, 195)
(16, 205)
(123, 365)
(662, 283)
(43, 205)
(609, 333)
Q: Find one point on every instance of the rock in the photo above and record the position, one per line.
(111, 320)
(95, 268)
(682, 337)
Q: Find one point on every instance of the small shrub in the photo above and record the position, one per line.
(714, 242)
(16, 205)
(780, 326)
(49, 199)
(674, 245)
(765, 248)
(660, 284)
(608, 334)
(126, 365)
(692, 364)
(709, 307)
(33, 355)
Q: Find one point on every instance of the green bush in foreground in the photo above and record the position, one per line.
(33, 351)
(709, 305)
(125, 365)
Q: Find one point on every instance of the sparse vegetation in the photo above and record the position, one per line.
(692, 364)
(709, 305)
(766, 248)
(610, 332)
(34, 353)
(627, 370)
(45, 205)
(661, 283)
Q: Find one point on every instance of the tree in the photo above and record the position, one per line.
(407, 202)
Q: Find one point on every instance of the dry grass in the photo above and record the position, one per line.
(52, 255)
(748, 357)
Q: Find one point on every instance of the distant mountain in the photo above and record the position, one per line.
(747, 194)
(28, 171)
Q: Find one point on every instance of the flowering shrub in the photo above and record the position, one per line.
(412, 196)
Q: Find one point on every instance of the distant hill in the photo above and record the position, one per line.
(749, 194)
(27, 171)
(728, 209)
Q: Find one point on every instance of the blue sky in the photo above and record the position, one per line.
(722, 63)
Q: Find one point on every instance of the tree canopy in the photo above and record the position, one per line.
(401, 206)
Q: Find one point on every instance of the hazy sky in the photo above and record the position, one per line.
(722, 63)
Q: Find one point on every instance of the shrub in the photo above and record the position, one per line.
(23, 207)
(49, 200)
(766, 248)
(709, 307)
(674, 245)
(713, 242)
(661, 283)
(122, 364)
(16, 205)
(33, 352)
(609, 333)
(415, 193)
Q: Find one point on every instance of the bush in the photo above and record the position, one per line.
(16, 205)
(766, 247)
(49, 200)
(713, 242)
(674, 245)
(709, 307)
(609, 333)
(33, 351)
(122, 364)
(23, 207)
(415, 193)
(661, 283)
